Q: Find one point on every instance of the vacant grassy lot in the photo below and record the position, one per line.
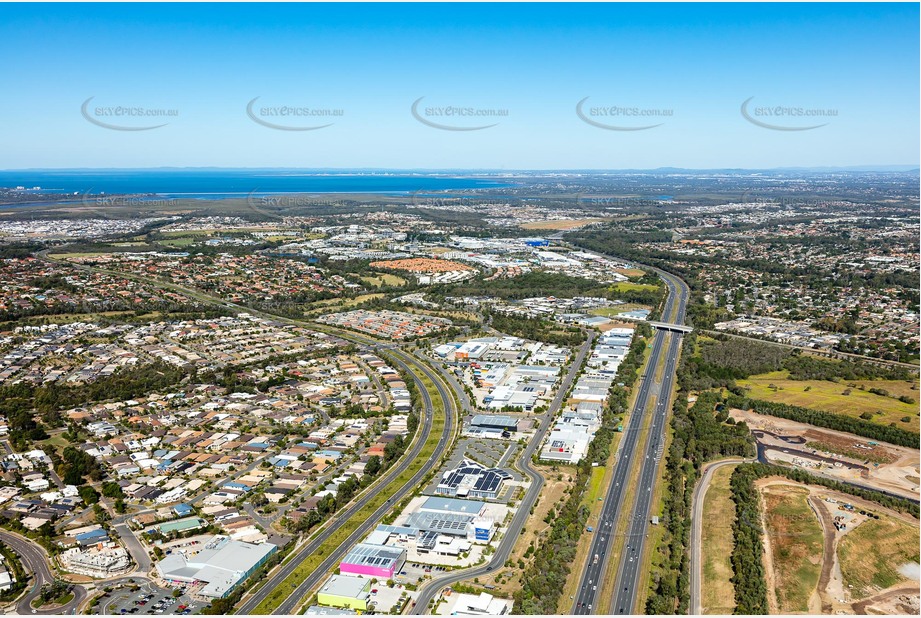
(716, 589)
(872, 553)
(379, 279)
(829, 397)
(796, 540)
(594, 486)
(627, 285)
(340, 303)
(613, 312)
(180, 241)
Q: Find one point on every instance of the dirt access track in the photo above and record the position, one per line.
(832, 595)
(895, 469)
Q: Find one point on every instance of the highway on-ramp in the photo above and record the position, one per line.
(697, 513)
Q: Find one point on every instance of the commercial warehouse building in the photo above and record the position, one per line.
(345, 591)
(218, 568)
(473, 480)
(373, 561)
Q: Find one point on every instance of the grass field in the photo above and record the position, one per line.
(796, 540)
(613, 312)
(68, 256)
(379, 279)
(872, 553)
(332, 305)
(308, 566)
(57, 440)
(594, 487)
(716, 589)
(180, 241)
(827, 396)
(623, 286)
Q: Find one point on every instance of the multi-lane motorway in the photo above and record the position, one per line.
(588, 599)
(430, 589)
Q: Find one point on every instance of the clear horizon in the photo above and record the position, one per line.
(546, 87)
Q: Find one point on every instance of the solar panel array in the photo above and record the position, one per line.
(373, 555)
(445, 523)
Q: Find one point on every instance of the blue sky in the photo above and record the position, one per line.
(698, 63)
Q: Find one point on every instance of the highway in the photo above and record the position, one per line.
(430, 590)
(587, 600)
(632, 564)
(35, 560)
(290, 605)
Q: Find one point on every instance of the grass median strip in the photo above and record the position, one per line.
(287, 587)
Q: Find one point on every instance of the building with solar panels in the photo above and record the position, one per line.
(498, 422)
(470, 527)
(472, 480)
(437, 504)
(373, 561)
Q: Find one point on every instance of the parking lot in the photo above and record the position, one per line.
(415, 572)
(146, 600)
(490, 453)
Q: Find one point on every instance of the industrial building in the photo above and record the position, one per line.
(472, 480)
(219, 567)
(373, 560)
(483, 604)
(501, 424)
(465, 526)
(345, 591)
(437, 504)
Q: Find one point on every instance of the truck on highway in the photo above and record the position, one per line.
(596, 559)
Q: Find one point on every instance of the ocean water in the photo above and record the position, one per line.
(234, 183)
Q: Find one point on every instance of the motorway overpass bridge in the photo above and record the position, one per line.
(675, 328)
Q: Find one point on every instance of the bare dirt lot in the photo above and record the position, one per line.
(560, 224)
(859, 562)
(837, 454)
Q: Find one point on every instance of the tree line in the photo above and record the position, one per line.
(828, 420)
(747, 566)
(700, 433)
